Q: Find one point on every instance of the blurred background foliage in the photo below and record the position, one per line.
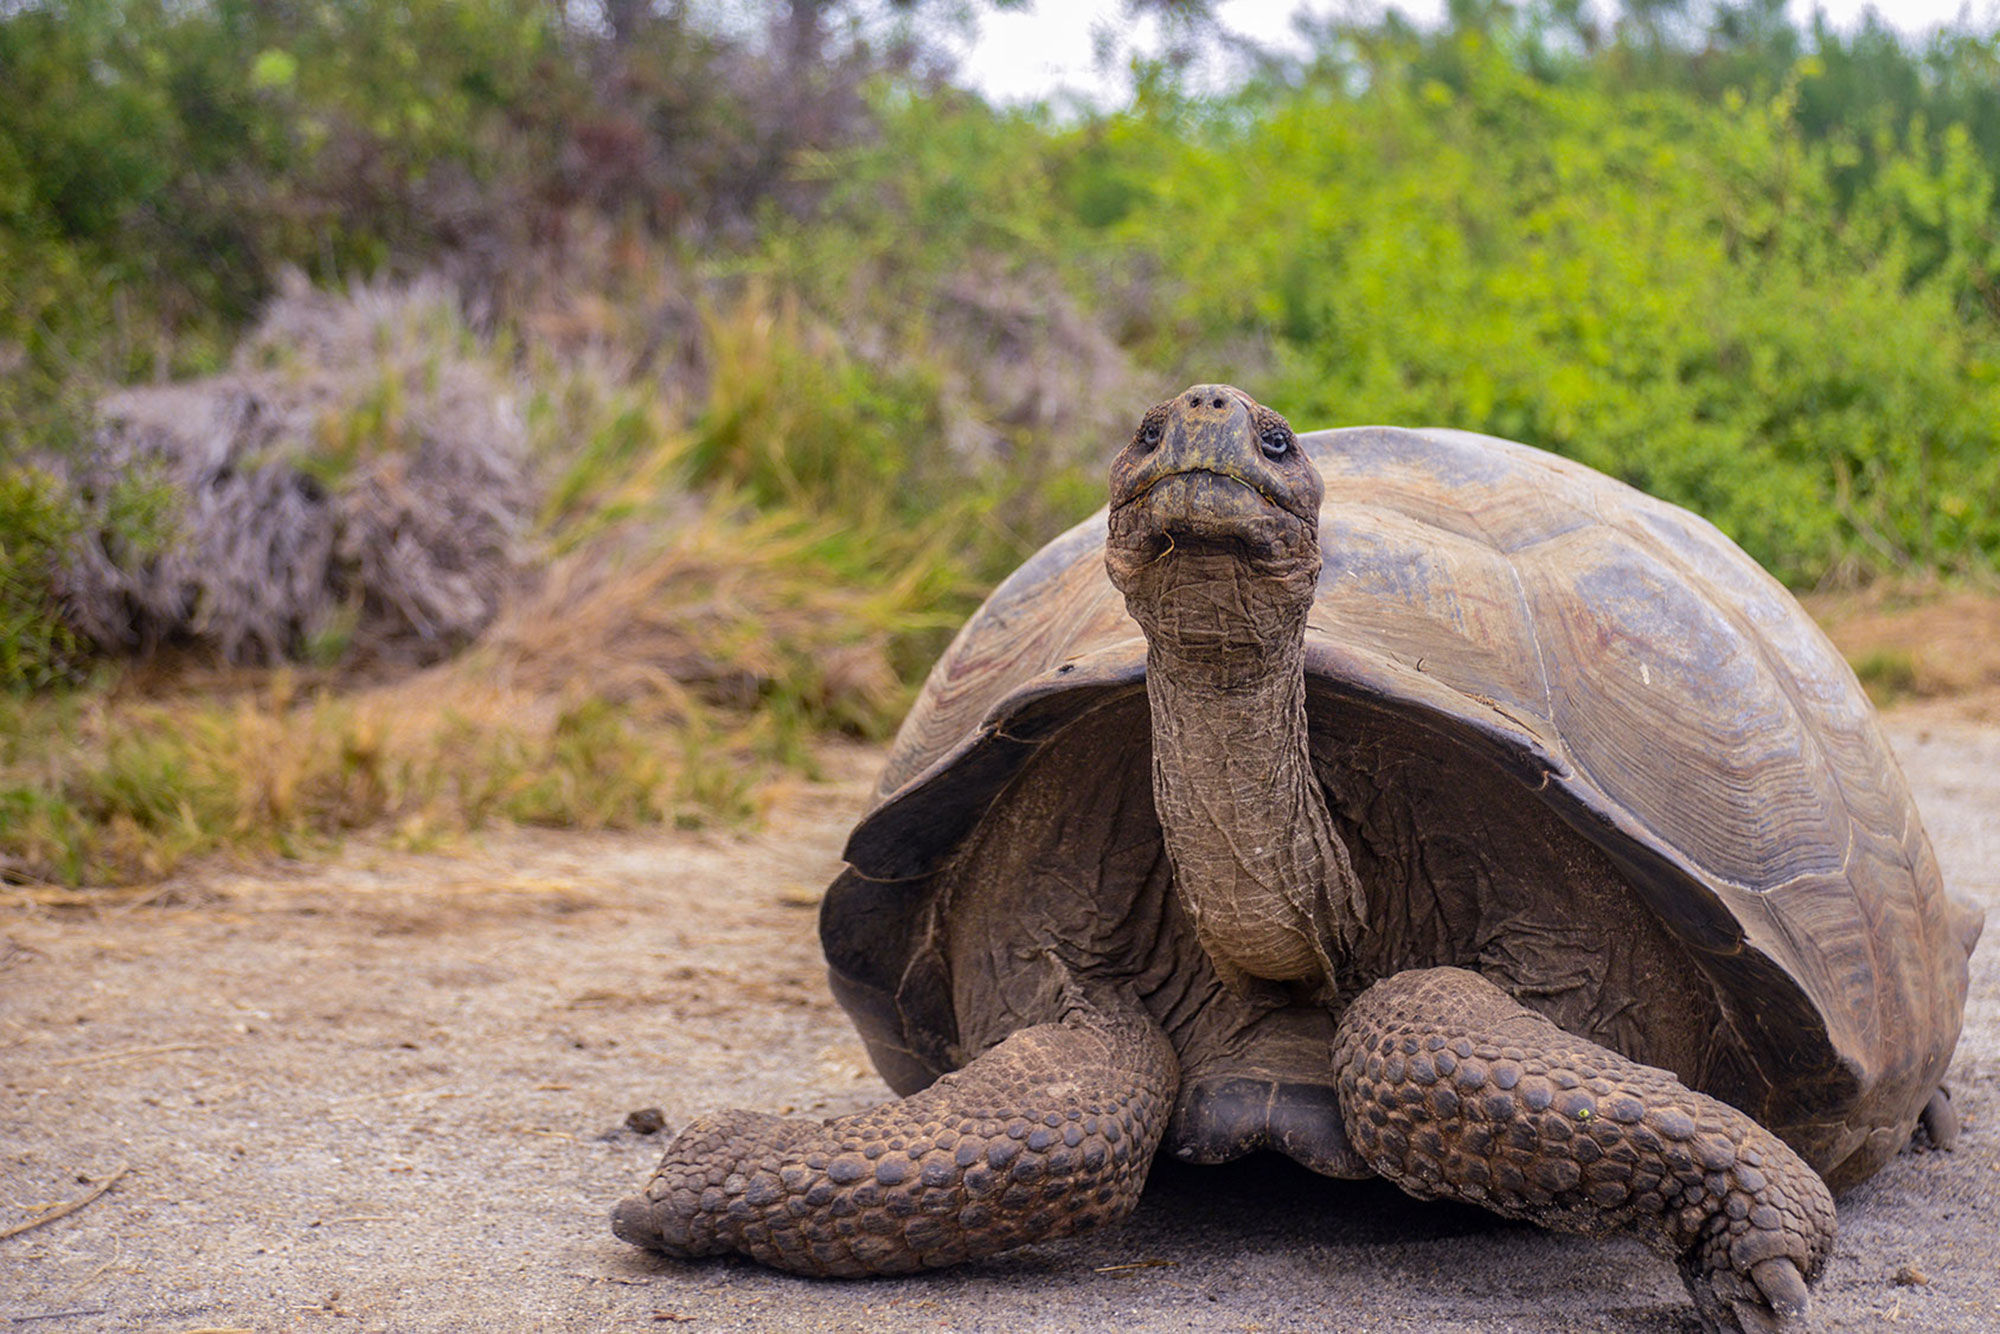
(418, 412)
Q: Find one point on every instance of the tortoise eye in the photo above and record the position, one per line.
(1276, 442)
(1149, 433)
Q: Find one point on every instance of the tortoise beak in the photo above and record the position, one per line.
(1203, 463)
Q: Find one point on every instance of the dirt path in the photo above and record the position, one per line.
(386, 1094)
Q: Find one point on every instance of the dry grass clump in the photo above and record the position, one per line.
(356, 488)
(658, 677)
(99, 789)
(1924, 640)
(660, 672)
(728, 613)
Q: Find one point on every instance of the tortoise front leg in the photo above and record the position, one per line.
(1050, 1133)
(1451, 1088)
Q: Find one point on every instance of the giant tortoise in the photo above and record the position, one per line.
(1413, 803)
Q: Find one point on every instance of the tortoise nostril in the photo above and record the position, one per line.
(1194, 400)
(1215, 402)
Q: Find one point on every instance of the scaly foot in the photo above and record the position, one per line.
(1451, 1088)
(1050, 1133)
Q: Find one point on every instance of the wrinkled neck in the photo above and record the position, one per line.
(1256, 860)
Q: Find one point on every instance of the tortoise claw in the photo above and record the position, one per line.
(634, 1219)
(1782, 1285)
(1771, 1299)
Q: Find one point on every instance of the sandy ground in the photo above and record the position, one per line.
(387, 1093)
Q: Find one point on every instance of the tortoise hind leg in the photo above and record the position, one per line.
(1940, 1120)
(1049, 1133)
(1451, 1088)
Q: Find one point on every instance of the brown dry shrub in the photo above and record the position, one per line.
(357, 488)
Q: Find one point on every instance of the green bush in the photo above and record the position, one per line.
(1692, 293)
(37, 649)
(1647, 284)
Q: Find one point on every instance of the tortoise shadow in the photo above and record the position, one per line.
(1266, 1195)
(1269, 1239)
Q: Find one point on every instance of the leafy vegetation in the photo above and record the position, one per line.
(793, 348)
(1702, 297)
(37, 646)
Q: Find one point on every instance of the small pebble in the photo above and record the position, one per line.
(1909, 1276)
(646, 1121)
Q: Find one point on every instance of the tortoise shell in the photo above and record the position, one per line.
(1624, 665)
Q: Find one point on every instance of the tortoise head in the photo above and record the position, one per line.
(1213, 480)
